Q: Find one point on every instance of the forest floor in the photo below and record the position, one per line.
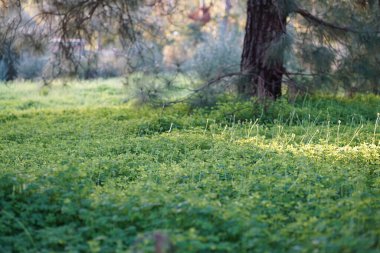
(80, 171)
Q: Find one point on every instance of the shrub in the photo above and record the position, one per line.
(30, 67)
(145, 88)
(111, 64)
(216, 56)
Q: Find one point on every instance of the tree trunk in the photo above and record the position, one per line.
(265, 25)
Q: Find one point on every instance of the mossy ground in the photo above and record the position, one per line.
(82, 172)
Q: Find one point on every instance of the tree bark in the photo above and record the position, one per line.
(265, 25)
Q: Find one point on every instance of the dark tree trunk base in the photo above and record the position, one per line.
(265, 25)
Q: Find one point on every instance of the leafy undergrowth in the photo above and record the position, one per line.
(113, 179)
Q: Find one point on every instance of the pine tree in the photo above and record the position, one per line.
(332, 43)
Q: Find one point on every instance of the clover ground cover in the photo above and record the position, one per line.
(86, 178)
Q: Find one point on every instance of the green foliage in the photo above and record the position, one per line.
(318, 109)
(278, 49)
(320, 58)
(76, 177)
(339, 59)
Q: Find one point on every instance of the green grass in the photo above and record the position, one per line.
(25, 96)
(82, 172)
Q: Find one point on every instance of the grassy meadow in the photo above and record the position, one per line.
(82, 171)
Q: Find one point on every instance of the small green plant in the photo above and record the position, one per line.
(376, 125)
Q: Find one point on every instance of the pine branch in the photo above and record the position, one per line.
(204, 87)
(318, 21)
(216, 80)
